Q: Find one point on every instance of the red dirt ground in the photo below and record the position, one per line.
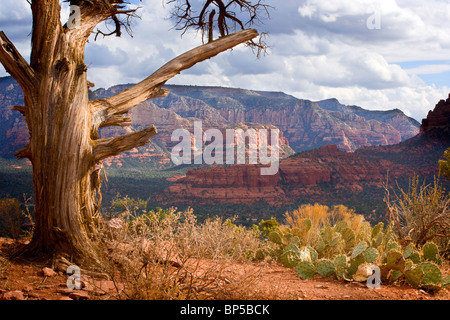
(26, 281)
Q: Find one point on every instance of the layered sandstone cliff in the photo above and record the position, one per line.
(316, 174)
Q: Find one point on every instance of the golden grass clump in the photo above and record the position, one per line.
(166, 254)
(321, 217)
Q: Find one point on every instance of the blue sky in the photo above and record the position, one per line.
(378, 54)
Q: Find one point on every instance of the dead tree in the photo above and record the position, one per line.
(64, 146)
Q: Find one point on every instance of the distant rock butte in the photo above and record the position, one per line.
(304, 124)
(305, 174)
(437, 119)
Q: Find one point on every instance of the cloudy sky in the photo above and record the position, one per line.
(378, 54)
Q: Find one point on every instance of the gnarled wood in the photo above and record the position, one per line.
(108, 147)
(151, 86)
(17, 66)
(64, 148)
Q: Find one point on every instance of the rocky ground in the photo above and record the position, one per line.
(33, 281)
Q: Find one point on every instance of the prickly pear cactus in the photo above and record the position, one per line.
(431, 273)
(430, 252)
(260, 254)
(415, 257)
(445, 282)
(377, 229)
(292, 247)
(340, 226)
(325, 268)
(275, 237)
(409, 250)
(395, 260)
(306, 225)
(354, 264)
(395, 275)
(305, 255)
(392, 245)
(359, 248)
(414, 277)
(340, 261)
(348, 235)
(295, 240)
(314, 254)
(371, 255)
(290, 258)
(305, 270)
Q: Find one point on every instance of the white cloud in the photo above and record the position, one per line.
(320, 49)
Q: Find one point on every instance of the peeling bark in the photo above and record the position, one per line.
(64, 148)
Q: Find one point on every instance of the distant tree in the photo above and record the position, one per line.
(64, 146)
(444, 165)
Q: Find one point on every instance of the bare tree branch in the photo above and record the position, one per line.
(16, 65)
(232, 15)
(108, 147)
(151, 86)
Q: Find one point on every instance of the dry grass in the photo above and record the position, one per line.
(421, 213)
(169, 255)
(321, 217)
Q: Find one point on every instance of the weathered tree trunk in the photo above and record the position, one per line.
(64, 148)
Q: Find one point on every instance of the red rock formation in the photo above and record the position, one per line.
(304, 175)
(439, 118)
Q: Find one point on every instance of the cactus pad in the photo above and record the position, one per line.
(305, 270)
(371, 255)
(395, 276)
(395, 260)
(415, 257)
(431, 273)
(295, 240)
(260, 254)
(290, 258)
(340, 226)
(359, 248)
(354, 264)
(306, 225)
(313, 253)
(430, 251)
(392, 245)
(409, 250)
(275, 237)
(348, 235)
(305, 255)
(340, 261)
(414, 277)
(292, 247)
(445, 282)
(377, 229)
(325, 268)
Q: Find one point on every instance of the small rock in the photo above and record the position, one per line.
(64, 290)
(27, 289)
(33, 295)
(13, 295)
(320, 286)
(79, 295)
(47, 272)
(65, 298)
